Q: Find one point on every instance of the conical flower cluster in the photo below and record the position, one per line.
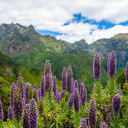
(76, 100)
(83, 123)
(71, 100)
(55, 89)
(69, 79)
(47, 68)
(112, 64)
(17, 104)
(25, 117)
(92, 116)
(33, 114)
(27, 92)
(10, 114)
(116, 103)
(96, 67)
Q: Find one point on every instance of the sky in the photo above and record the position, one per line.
(69, 20)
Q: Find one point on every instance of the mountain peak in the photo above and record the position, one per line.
(31, 27)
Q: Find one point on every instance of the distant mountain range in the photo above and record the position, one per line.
(27, 47)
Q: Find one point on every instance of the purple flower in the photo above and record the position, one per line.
(27, 92)
(17, 104)
(47, 68)
(39, 93)
(10, 114)
(59, 97)
(13, 87)
(62, 93)
(69, 79)
(43, 86)
(81, 89)
(84, 96)
(103, 124)
(92, 115)
(20, 85)
(25, 117)
(83, 123)
(55, 88)
(96, 67)
(41, 106)
(71, 100)
(64, 79)
(112, 64)
(126, 73)
(73, 85)
(76, 100)
(116, 103)
(33, 114)
(48, 82)
(1, 112)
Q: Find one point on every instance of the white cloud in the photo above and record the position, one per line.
(52, 14)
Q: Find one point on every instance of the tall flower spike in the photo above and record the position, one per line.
(55, 89)
(30, 94)
(84, 96)
(1, 112)
(116, 103)
(126, 73)
(27, 92)
(43, 86)
(71, 100)
(62, 93)
(83, 123)
(76, 100)
(81, 89)
(69, 79)
(18, 104)
(96, 67)
(64, 79)
(10, 114)
(73, 85)
(33, 114)
(13, 87)
(59, 97)
(48, 82)
(39, 93)
(112, 64)
(92, 116)
(103, 124)
(20, 85)
(47, 68)
(25, 117)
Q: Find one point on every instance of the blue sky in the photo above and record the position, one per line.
(69, 20)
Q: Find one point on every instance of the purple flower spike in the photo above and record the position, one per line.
(20, 85)
(69, 79)
(92, 115)
(43, 86)
(13, 87)
(84, 96)
(25, 117)
(64, 79)
(48, 82)
(71, 100)
(76, 100)
(59, 97)
(112, 64)
(116, 103)
(55, 88)
(39, 93)
(76, 84)
(1, 112)
(126, 73)
(103, 124)
(62, 93)
(81, 89)
(96, 67)
(33, 114)
(47, 68)
(73, 85)
(18, 104)
(10, 114)
(83, 123)
(27, 92)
